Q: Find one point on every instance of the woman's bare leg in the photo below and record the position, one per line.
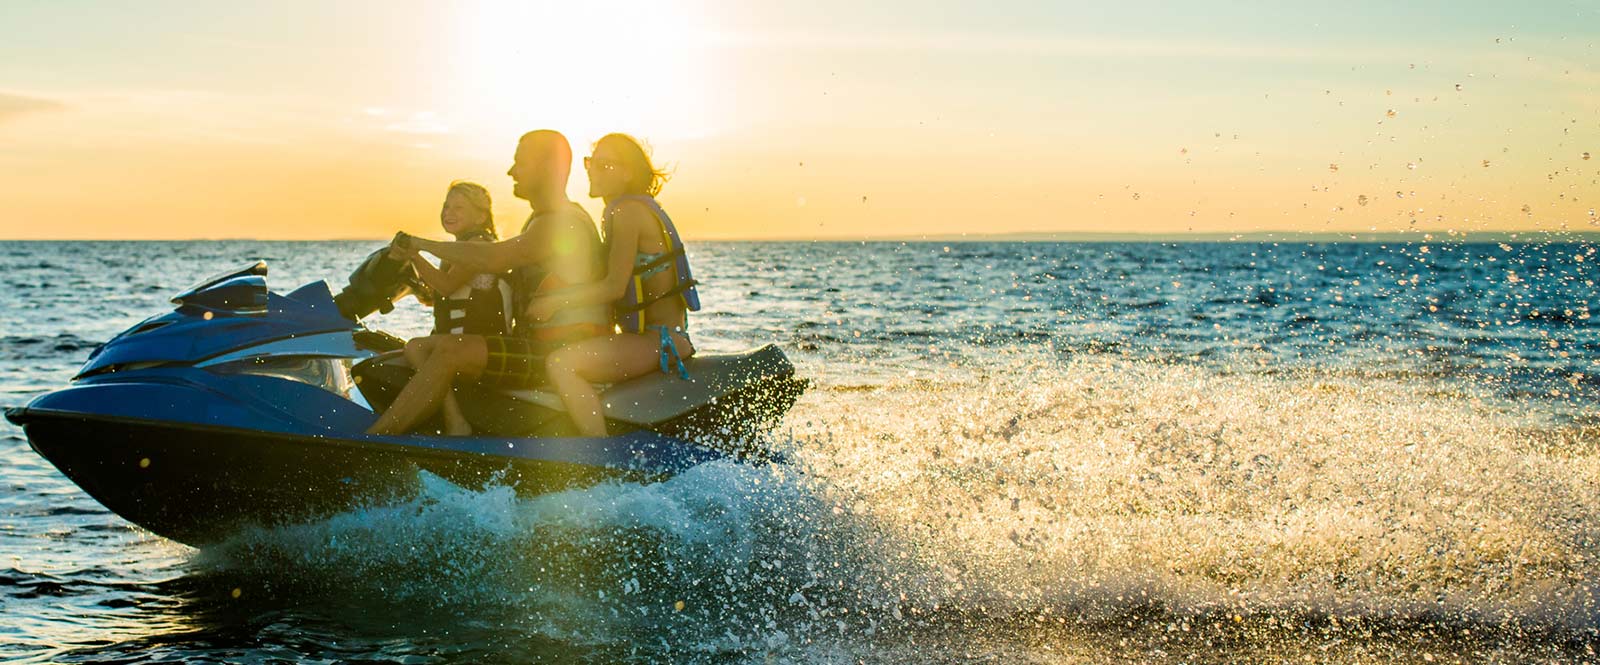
(459, 356)
(573, 369)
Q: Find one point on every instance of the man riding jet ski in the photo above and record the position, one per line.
(244, 406)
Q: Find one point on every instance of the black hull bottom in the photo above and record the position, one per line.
(197, 485)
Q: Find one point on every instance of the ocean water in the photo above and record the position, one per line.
(1011, 452)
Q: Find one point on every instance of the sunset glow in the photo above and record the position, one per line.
(826, 119)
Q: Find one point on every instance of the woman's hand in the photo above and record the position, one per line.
(541, 309)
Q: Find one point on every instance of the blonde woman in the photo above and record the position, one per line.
(647, 282)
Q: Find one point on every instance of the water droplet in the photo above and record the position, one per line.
(1527, 209)
(1399, 195)
(1411, 165)
(1485, 163)
(1361, 200)
(1586, 156)
(1333, 168)
(144, 463)
(678, 606)
(1390, 113)
(1183, 151)
(1458, 87)
(237, 592)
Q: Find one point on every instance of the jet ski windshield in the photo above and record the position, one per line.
(242, 291)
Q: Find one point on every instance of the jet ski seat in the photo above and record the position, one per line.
(659, 397)
(735, 394)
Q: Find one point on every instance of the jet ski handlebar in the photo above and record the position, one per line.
(376, 284)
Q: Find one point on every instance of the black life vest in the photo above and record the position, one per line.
(480, 307)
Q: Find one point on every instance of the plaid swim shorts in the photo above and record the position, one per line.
(515, 361)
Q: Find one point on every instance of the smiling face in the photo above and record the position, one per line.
(527, 170)
(459, 215)
(541, 166)
(607, 178)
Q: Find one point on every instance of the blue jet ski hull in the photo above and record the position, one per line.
(241, 408)
(197, 484)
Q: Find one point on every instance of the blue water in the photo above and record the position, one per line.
(1011, 452)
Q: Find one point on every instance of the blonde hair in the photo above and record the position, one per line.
(478, 197)
(643, 177)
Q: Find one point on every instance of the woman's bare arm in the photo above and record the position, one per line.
(626, 226)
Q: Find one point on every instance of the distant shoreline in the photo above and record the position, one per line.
(1053, 237)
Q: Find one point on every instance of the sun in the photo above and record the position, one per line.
(585, 69)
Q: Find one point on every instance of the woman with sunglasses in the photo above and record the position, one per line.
(647, 279)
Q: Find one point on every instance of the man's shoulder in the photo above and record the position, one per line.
(563, 219)
(574, 213)
(569, 218)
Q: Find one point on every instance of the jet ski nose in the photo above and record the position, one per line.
(16, 414)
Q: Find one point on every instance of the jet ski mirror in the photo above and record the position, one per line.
(242, 291)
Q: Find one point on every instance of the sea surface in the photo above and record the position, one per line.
(1010, 452)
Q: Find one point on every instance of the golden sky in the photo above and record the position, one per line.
(302, 120)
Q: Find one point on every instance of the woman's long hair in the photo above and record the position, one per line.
(642, 176)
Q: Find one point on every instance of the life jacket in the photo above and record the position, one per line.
(629, 311)
(568, 324)
(480, 307)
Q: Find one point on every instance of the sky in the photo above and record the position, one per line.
(818, 119)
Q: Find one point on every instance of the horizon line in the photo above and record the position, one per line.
(1019, 236)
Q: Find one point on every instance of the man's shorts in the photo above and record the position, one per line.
(515, 361)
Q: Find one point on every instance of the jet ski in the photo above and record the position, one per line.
(246, 407)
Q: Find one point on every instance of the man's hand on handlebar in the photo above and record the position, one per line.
(402, 247)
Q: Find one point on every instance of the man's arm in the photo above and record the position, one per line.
(478, 257)
(443, 283)
(626, 228)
